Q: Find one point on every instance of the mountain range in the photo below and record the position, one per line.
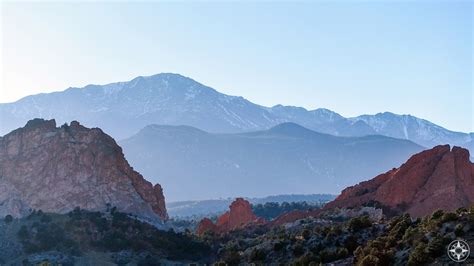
(90, 196)
(288, 158)
(122, 109)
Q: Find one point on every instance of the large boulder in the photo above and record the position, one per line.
(439, 178)
(56, 169)
(240, 215)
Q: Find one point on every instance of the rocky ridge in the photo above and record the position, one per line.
(438, 178)
(56, 169)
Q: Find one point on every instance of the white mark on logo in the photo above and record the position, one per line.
(458, 250)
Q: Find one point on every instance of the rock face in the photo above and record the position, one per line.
(206, 225)
(57, 169)
(239, 215)
(439, 178)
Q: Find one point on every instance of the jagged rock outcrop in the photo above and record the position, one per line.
(206, 225)
(240, 214)
(439, 178)
(57, 169)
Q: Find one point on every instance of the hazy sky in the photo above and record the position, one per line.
(351, 57)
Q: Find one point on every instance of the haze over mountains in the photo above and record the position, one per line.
(237, 147)
(288, 158)
(123, 108)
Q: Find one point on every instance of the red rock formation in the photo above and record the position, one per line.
(239, 215)
(439, 178)
(206, 225)
(292, 216)
(58, 169)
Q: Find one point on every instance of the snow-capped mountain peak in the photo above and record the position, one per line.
(123, 108)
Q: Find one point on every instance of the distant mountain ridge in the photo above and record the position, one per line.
(415, 129)
(288, 158)
(172, 99)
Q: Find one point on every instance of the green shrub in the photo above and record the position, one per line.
(413, 235)
(306, 234)
(258, 255)
(369, 260)
(232, 258)
(307, 259)
(149, 261)
(398, 226)
(76, 214)
(8, 219)
(437, 214)
(351, 243)
(342, 253)
(436, 246)
(23, 233)
(48, 236)
(459, 230)
(278, 246)
(270, 210)
(327, 256)
(45, 218)
(378, 248)
(449, 217)
(298, 250)
(420, 255)
(358, 223)
(461, 210)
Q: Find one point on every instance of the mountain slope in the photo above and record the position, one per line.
(288, 158)
(415, 129)
(172, 99)
(168, 99)
(163, 99)
(439, 178)
(321, 120)
(53, 169)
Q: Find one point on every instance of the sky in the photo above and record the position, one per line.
(352, 57)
